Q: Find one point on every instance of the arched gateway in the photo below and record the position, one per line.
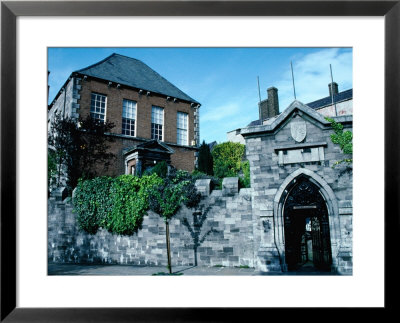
(306, 228)
(306, 222)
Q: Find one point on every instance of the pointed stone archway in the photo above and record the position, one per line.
(294, 210)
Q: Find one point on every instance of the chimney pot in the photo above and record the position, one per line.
(333, 87)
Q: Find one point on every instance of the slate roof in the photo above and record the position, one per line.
(295, 105)
(254, 123)
(133, 73)
(342, 96)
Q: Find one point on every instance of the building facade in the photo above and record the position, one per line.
(149, 113)
(296, 217)
(299, 194)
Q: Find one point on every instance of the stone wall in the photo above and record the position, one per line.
(276, 160)
(220, 232)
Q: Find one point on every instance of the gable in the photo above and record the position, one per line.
(295, 110)
(151, 145)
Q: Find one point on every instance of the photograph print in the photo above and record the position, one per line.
(200, 161)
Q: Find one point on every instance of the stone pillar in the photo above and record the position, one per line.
(203, 186)
(230, 186)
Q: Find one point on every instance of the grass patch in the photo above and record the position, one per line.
(242, 266)
(218, 266)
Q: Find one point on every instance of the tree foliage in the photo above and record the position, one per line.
(116, 204)
(80, 147)
(176, 189)
(228, 162)
(93, 203)
(166, 199)
(51, 168)
(205, 160)
(160, 169)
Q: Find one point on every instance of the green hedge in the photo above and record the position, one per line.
(116, 204)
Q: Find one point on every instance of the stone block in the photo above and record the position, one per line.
(230, 186)
(59, 193)
(203, 186)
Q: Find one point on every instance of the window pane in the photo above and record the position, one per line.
(98, 106)
(182, 128)
(157, 120)
(128, 117)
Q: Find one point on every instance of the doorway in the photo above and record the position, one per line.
(306, 227)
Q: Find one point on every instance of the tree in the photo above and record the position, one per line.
(51, 169)
(342, 138)
(205, 161)
(167, 198)
(229, 162)
(80, 146)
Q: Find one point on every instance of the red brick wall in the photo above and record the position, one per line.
(182, 159)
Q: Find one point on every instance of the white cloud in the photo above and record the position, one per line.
(312, 76)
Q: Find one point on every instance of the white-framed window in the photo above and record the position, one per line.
(182, 129)
(98, 107)
(128, 117)
(157, 121)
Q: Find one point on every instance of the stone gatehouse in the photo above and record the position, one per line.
(296, 215)
(305, 201)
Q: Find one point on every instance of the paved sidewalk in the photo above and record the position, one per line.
(121, 270)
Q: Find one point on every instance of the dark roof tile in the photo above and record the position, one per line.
(342, 96)
(133, 73)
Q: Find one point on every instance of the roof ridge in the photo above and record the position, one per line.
(95, 64)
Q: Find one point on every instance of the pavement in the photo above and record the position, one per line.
(125, 270)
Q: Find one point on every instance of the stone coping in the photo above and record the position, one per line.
(300, 146)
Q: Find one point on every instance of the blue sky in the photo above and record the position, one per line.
(224, 80)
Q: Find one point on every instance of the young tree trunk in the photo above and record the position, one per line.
(168, 247)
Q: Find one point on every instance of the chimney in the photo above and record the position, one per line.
(333, 87)
(270, 107)
(273, 102)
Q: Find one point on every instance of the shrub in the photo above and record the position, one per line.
(244, 181)
(129, 195)
(117, 205)
(92, 203)
(160, 169)
(227, 159)
(216, 183)
(228, 162)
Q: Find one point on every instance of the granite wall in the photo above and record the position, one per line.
(218, 232)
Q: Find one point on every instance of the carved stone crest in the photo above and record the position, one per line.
(298, 129)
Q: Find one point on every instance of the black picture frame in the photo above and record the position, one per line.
(10, 10)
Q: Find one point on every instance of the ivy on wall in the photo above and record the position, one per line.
(342, 138)
(116, 204)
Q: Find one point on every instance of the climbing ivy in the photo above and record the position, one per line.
(92, 203)
(116, 204)
(342, 138)
(129, 196)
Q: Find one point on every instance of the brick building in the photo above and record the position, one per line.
(154, 120)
